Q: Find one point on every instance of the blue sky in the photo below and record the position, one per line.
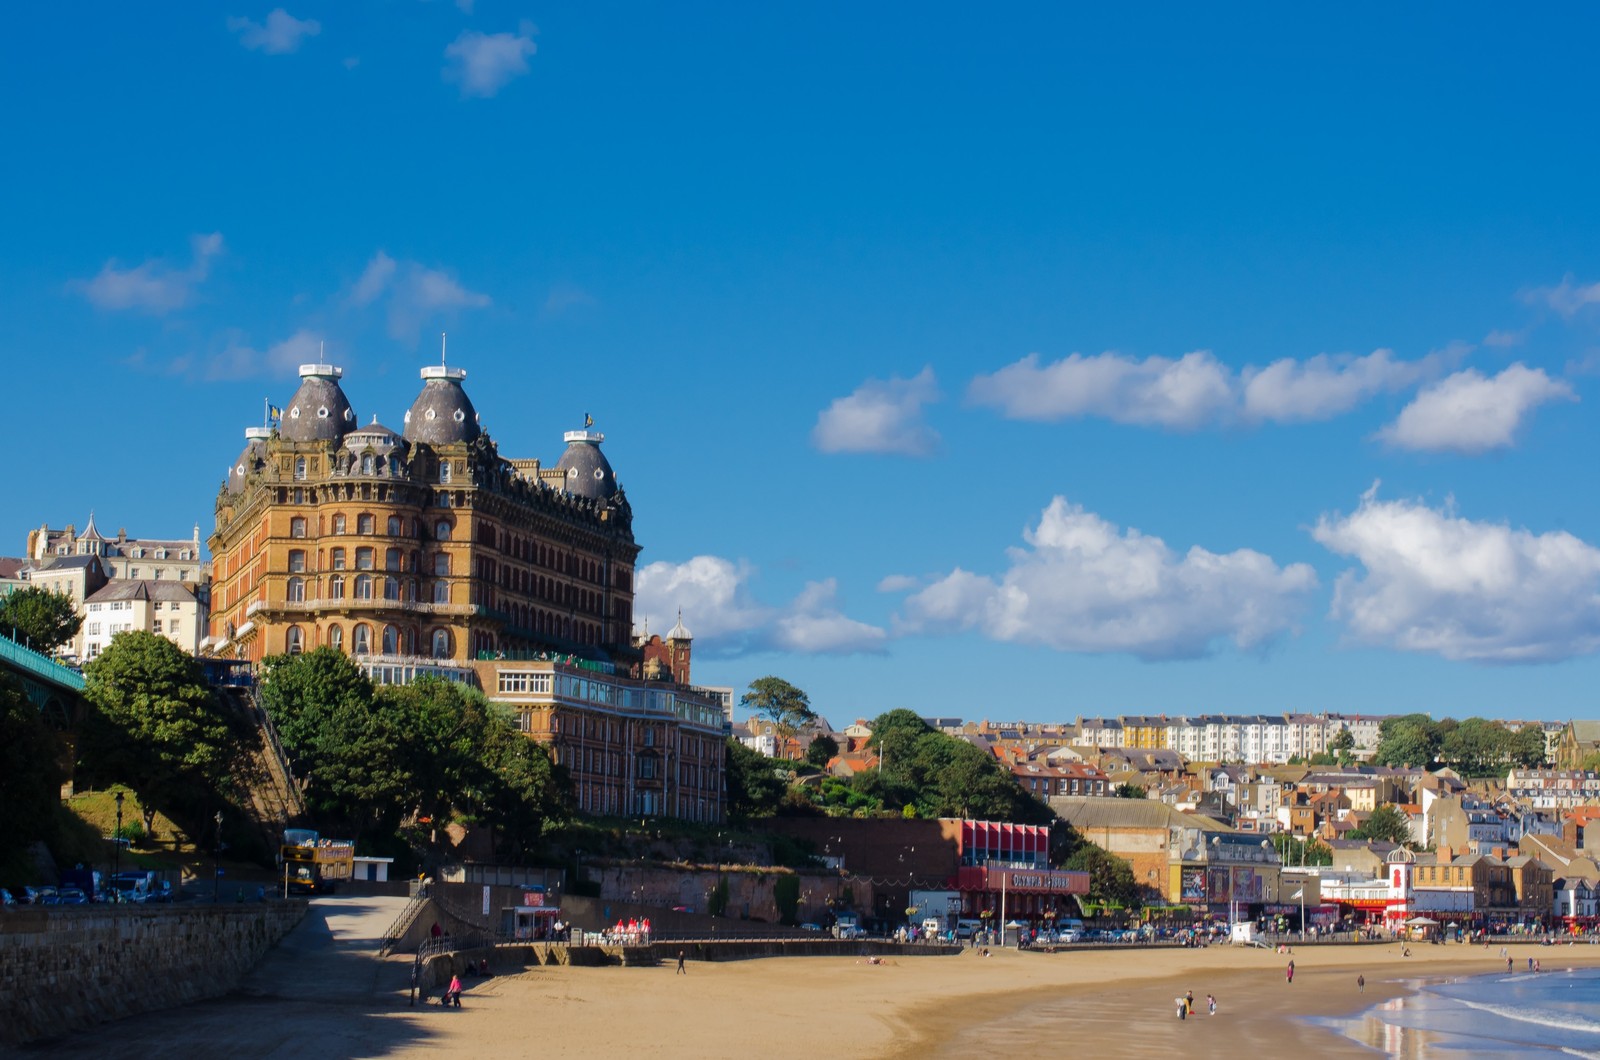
(1007, 365)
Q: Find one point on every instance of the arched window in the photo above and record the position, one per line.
(297, 590)
(338, 524)
(391, 641)
(300, 468)
(336, 638)
(337, 558)
(297, 560)
(411, 590)
(363, 587)
(441, 592)
(444, 471)
(293, 640)
(394, 526)
(391, 559)
(336, 587)
(366, 463)
(297, 527)
(394, 465)
(441, 564)
(391, 588)
(441, 644)
(441, 530)
(361, 640)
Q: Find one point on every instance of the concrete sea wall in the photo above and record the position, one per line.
(64, 969)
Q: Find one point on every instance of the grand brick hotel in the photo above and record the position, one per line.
(424, 550)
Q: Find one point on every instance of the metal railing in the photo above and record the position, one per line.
(40, 665)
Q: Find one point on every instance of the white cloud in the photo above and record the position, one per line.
(714, 596)
(565, 296)
(813, 625)
(1083, 585)
(1434, 582)
(414, 293)
(898, 583)
(1469, 413)
(153, 287)
(239, 360)
(1184, 394)
(1566, 297)
(880, 417)
(1325, 386)
(484, 63)
(1501, 339)
(279, 35)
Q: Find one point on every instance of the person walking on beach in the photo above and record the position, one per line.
(1289, 972)
(681, 969)
(1361, 984)
(1508, 966)
(1211, 1004)
(1188, 1001)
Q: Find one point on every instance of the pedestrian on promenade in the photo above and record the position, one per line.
(681, 969)
(1289, 972)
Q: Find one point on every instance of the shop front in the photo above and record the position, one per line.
(1036, 896)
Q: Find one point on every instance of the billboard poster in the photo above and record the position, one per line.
(1217, 888)
(1194, 885)
(1246, 885)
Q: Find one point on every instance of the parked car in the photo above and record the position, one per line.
(45, 896)
(71, 896)
(6, 897)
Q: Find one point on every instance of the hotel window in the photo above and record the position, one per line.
(441, 592)
(294, 641)
(300, 469)
(338, 524)
(133, 572)
(361, 640)
(297, 560)
(297, 590)
(337, 558)
(394, 526)
(297, 527)
(365, 524)
(441, 564)
(336, 587)
(441, 530)
(364, 558)
(366, 463)
(391, 559)
(444, 471)
(363, 587)
(391, 588)
(335, 638)
(441, 644)
(391, 641)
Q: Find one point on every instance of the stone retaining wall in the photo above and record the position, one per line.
(64, 969)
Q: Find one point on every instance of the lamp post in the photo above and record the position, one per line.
(216, 861)
(116, 852)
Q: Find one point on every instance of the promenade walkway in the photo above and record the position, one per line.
(321, 993)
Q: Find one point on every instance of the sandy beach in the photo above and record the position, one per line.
(322, 994)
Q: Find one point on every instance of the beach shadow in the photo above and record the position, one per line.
(321, 992)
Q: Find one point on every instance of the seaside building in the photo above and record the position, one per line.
(168, 609)
(423, 551)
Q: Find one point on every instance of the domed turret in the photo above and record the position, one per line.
(319, 411)
(585, 471)
(442, 413)
(255, 453)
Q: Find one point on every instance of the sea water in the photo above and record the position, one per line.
(1552, 1011)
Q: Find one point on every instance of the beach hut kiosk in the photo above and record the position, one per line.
(1422, 928)
(528, 923)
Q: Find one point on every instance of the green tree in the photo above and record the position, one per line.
(1411, 739)
(1528, 747)
(786, 896)
(1111, 878)
(755, 787)
(155, 724)
(1343, 745)
(527, 789)
(1478, 748)
(943, 776)
(30, 771)
(822, 750)
(781, 703)
(39, 618)
(1130, 791)
(1298, 850)
(1387, 823)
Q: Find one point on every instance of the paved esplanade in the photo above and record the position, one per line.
(321, 992)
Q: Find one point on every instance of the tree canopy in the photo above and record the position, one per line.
(941, 776)
(155, 724)
(781, 703)
(755, 783)
(1111, 878)
(1387, 823)
(30, 770)
(39, 618)
(1474, 747)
